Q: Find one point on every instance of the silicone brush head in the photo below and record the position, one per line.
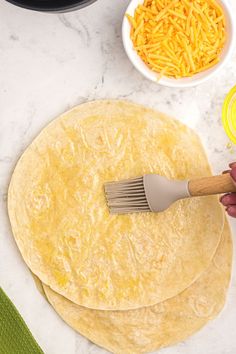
(144, 194)
(127, 196)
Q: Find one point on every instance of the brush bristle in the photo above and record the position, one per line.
(127, 196)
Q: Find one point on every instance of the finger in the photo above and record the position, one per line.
(231, 210)
(233, 174)
(232, 164)
(228, 199)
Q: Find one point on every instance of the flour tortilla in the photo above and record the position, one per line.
(62, 225)
(148, 329)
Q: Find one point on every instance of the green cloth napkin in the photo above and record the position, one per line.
(15, 337)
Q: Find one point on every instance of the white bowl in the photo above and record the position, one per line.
(188, 81)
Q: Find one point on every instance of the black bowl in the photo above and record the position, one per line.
(52, 5)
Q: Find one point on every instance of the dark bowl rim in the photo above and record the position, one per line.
(75, 6)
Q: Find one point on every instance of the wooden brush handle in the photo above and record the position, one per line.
(211, 185)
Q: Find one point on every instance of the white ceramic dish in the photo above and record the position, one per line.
(185, 82)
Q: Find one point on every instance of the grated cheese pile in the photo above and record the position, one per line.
(178, 38)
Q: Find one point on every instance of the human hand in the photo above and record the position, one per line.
(229, 200)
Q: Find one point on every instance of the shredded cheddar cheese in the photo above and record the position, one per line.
(178, 38)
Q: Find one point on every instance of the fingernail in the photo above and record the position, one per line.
(233, 173)
(223, 199)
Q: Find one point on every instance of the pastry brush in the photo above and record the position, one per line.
(154, 193)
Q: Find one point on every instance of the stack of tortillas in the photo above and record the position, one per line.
(130, 283)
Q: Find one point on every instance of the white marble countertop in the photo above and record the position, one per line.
(49, 63)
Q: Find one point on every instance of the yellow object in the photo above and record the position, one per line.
(148, 329)
(62, 225)
(178, 38)
(229, 114)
